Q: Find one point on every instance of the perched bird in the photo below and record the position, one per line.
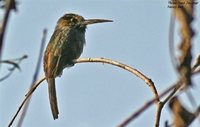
(65, 45)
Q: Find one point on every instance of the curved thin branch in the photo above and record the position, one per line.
(26, 98)
(148, 104)
(174, 64)
(15, 63)
(161, 104)
(89, 60)
(147, 80)
(135, 72)
(35, 77)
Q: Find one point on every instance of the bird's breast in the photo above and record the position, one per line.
(75, 43)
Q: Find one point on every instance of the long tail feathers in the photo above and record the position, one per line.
(52, 97)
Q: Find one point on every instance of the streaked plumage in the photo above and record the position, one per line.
(65, 45)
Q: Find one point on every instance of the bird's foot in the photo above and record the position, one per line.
(69, 64)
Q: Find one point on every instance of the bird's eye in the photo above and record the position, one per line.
(73, 20)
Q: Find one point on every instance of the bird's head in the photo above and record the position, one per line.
(77, 21)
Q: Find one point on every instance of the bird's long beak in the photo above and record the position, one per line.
(93, 21)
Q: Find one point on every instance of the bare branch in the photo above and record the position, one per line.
(197, 63)
(35, 77)
(181, 116)
(26, 98)
(161, 104)
(130, 69)
(89, 60)
(185, 17)
(146, 105)
(174, 87)
(15, 63)
(147, 80)
(9, 5)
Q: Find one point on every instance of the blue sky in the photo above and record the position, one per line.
(93, 95)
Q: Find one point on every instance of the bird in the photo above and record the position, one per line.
(65, 45)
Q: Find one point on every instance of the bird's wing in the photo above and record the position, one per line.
(53, 53)
(52, 67)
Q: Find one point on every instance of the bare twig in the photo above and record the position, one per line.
(162, 103)
(147, 80)
(174, 87)
(132, 70)
(159, 107)
(181, 116)
(26, 98)
(9, 5)
(89, 60)
(185, 17)
(196, 67)
(146, 105)
(21, 119)
(197, 63)
(15, 63)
